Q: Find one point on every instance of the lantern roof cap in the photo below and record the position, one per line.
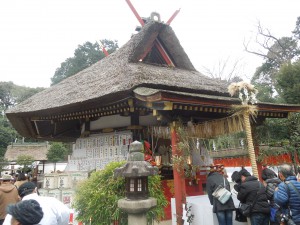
(136, 169)
(136, 165)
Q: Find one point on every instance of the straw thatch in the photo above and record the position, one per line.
(121, 72)
(113, 79)
(37, 151)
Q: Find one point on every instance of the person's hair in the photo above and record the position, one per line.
(244, 172)
(236, 177)
(268, 174)
(21, 176)
(286, 170)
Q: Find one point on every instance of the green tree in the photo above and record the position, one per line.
(272, 131)
(284, 50)
(7, 135)
(288, 82)
(25, 161)
(294, 137)
(278, 80)
(6, 97)
(276, 52)
(57, 152)
(97, 197)
(3, 163)
(12, 94)
(84, 56)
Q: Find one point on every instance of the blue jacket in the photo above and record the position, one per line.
(286, 197)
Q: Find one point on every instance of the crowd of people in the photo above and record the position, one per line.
(21, 204)
(274, 201)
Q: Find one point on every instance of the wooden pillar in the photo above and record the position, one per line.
(43, 166)
(135, 122)
(179, 180)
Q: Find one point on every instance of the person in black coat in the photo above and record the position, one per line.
(271, 181)
(223, 211)
(253, 192)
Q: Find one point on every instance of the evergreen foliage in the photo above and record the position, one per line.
(97, 197)
(84, 56)
(57, 152)
(25, 161)
(288, 80)
(10, 95)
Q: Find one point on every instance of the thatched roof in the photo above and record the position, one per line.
(121, 72)
(114, 79)
(37, 151)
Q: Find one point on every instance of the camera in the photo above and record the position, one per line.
(287, 219)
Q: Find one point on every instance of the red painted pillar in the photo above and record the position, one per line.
(179, 180)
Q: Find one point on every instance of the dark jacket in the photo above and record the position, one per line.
(270, 188)
(213, 181)
(250, 189)
(286, 196)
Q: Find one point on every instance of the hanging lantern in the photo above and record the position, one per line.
(189, 160)
(158, 160)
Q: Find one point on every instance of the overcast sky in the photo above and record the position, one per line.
(37, 35)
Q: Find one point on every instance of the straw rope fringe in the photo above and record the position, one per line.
(211, 129)
(229, 125)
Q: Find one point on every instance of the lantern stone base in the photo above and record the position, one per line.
(137, 206)
(137, 209)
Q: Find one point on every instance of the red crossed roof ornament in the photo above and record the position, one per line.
(157, 43)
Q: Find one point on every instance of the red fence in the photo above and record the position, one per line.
(245, 161)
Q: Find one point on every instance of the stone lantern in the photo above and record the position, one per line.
(136, 187)
(136, 171)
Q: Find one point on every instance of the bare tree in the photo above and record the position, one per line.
(274, 50)
(227, 69)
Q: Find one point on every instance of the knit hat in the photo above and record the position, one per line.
(6, 177)
(244, 172)
(26, 188)
(27, 212)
